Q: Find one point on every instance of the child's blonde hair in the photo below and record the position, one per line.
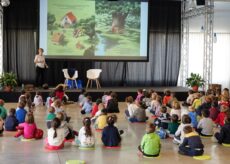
(176, 105)
(191, 109)
(224, 108)
(60, 116)
(224, 98)
(197, 95)
(154, 96)
(57, 103)
(51, 109)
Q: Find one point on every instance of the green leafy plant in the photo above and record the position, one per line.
(8, 79)
(195, 80)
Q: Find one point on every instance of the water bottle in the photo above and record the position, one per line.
(23, 86)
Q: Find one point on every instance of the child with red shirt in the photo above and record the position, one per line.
(95, 107)
(221, 116)
(167, 97)
(224, 101)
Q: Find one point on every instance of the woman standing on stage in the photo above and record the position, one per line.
(41, 65)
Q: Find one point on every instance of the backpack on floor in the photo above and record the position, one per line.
(162, 133)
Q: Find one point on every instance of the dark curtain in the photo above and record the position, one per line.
(20, 27)
(21, 41)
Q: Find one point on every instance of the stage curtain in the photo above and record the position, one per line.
(20, 27)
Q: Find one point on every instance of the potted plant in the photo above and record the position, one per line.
(8, 81)
(195, 81)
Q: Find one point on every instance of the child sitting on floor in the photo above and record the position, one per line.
(150, 143)
(101, 121)
(131, 107)
(95, 107)
(173, 125)
(3, 112)
(87, 106)
(163, 120)
(58, 108)
(205, 125)
(223, 137)
(38, 101)
(176, 109)
(192, 114)
(28, 128)
(98, 113)
(85, 137)
(167, 97)
(214, 111)
(179, 135)
(197, 100)
(56, 135)
(139, 114)
(192, 144)
(82, 97)
(140, 95)
(1, 126)
(50, 116)
(21, 112)
(221, 116)
(110, 134)
(11, 121)
(68, 130)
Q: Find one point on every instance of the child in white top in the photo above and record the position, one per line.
(38, 99)
(85, 137)
(56, 135)
(132, 107)
(176, 109)
(82, 97)
(179, 135)
(156, 106)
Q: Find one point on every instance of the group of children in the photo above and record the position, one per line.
(207, 115)
(19, 120)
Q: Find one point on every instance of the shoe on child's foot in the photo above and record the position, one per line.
(175, 142)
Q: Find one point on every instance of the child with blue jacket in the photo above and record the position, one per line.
(192, 144)
(21, 112)
(11, 121)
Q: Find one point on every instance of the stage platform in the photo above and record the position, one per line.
(123, 92)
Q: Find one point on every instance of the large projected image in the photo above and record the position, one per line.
(94, 29)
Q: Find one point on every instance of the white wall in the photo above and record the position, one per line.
(221, 49)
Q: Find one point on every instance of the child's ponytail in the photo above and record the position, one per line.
(55, 124)
(87, 123)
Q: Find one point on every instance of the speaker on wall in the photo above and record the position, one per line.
(200, 2)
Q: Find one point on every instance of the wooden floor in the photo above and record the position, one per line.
(14, 151)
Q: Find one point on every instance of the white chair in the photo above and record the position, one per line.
(67, 77)
(93, 74)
